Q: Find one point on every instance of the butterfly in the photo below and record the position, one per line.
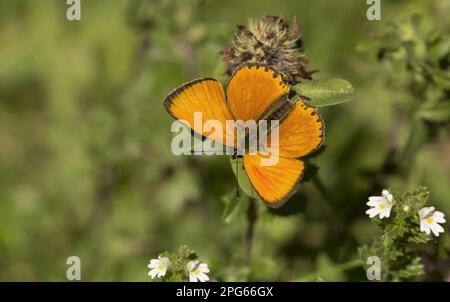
(255, 92)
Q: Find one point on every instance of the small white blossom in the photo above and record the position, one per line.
(430, 219)
(197, 271)
(380, 205)
(158, 267)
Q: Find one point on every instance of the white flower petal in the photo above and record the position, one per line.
(422, 225)
(162, 272)
(374, 203)
(439, 228)
(191, 265)
(425, 227)
(388, 196)
(203, 277)
(192, 278)
(153, 273)
(381, 205)
(439, 216)
(438, 213)
(158, 267)
(165, 261)
(436, 229)
(430, 219)
(204, 268)
(373, 212)
(376, 198)
(424, 212)
(439, 219)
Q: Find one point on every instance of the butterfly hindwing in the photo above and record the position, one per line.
(203, 96)
(300, 133)
(274, 184)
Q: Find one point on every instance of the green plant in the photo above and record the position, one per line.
(400, 238)
(178, 266)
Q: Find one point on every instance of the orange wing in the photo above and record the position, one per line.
(274, 184)
(252, 90)
(302, 132)
(203, 96)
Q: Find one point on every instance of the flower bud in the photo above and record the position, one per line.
(269, 41)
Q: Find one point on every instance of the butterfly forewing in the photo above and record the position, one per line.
(252, 90)
(203, 96)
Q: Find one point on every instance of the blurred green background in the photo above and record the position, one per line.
(85, 161)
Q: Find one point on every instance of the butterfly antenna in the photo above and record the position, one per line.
(237, 179)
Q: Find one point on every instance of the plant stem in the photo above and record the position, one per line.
(252, 216)
(335, 269)
(321, 188)
(327, 196)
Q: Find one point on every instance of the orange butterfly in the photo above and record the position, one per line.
(255, 92)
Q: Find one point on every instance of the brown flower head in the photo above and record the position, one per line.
(269, 41)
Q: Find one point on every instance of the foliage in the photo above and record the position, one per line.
(326, 92)
(399, 237)
(177, 270)
(417, 55)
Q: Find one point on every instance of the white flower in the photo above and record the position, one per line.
(380, 205)
(158, 267)
(430, 219)
(197, 272)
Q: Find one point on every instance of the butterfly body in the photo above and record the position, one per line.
(255, 96)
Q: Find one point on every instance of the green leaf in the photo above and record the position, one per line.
(327, 269)
(233, 206)
(438, 113)
(440, 48)
(442, 78)
(326, 92)
(419, 237)
(241, 176)
(417, 138)
(411, 267)
(218, 73)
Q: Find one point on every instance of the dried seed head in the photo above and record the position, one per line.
(269, 41)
